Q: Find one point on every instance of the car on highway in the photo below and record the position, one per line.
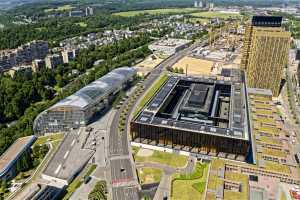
(165, 197)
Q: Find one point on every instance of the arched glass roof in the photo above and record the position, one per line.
(101, 87)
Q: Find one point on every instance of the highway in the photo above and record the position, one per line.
(124, 181)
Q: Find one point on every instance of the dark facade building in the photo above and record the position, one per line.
(199, 115)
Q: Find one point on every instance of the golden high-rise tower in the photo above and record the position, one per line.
(266, 47)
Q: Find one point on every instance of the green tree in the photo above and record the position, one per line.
(59, 80)
(99, 191)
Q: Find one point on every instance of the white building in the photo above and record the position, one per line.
(69, 54)
(169, 46)
(89, 11)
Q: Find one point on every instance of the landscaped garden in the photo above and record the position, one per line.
(190, 186)
(99, 192)
(155, 87)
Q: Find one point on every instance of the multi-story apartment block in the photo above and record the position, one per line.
(38, 64)
(18, 69)
(69, 54)
(266, 46)
(89, 11)
(52, 61)
(24, 54)
(76, 13)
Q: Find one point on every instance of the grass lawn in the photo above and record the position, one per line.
(192, 188)
(82, 24)
(135, 150)
(60, 8)
(44, 139)
(156, 11)
(170, 159)
(155, 87)
(214, 14)
(149, 175)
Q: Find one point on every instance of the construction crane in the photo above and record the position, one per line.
(214, 34)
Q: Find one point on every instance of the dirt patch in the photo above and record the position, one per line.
(145, 153)
(194, 66)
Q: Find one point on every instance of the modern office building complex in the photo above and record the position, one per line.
(199, 115)
(77, 109)
(266, 46)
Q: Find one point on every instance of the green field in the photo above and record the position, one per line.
(171, 159)
(60, 8)
(156, 11)
(43, 139)
(210, 15)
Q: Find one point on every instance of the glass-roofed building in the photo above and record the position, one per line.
(77, 109)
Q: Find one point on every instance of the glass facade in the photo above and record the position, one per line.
(192, 141)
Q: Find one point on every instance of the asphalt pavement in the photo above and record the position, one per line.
(124, 181)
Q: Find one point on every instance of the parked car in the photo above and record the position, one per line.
(87, 179)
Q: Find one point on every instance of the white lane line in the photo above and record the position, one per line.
(73, 142)
(66, 154)
(57, 169)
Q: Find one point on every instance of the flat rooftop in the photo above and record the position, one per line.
(14, 151)
(267, 21)
(203, 105)
(171, 42)
(70, 157)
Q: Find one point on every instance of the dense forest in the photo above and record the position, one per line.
(24, 97)
(57, 29)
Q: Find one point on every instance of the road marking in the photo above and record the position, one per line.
(73, 142)
(66, 154)
(57, 169)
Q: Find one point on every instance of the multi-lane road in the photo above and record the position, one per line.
(124, 181)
